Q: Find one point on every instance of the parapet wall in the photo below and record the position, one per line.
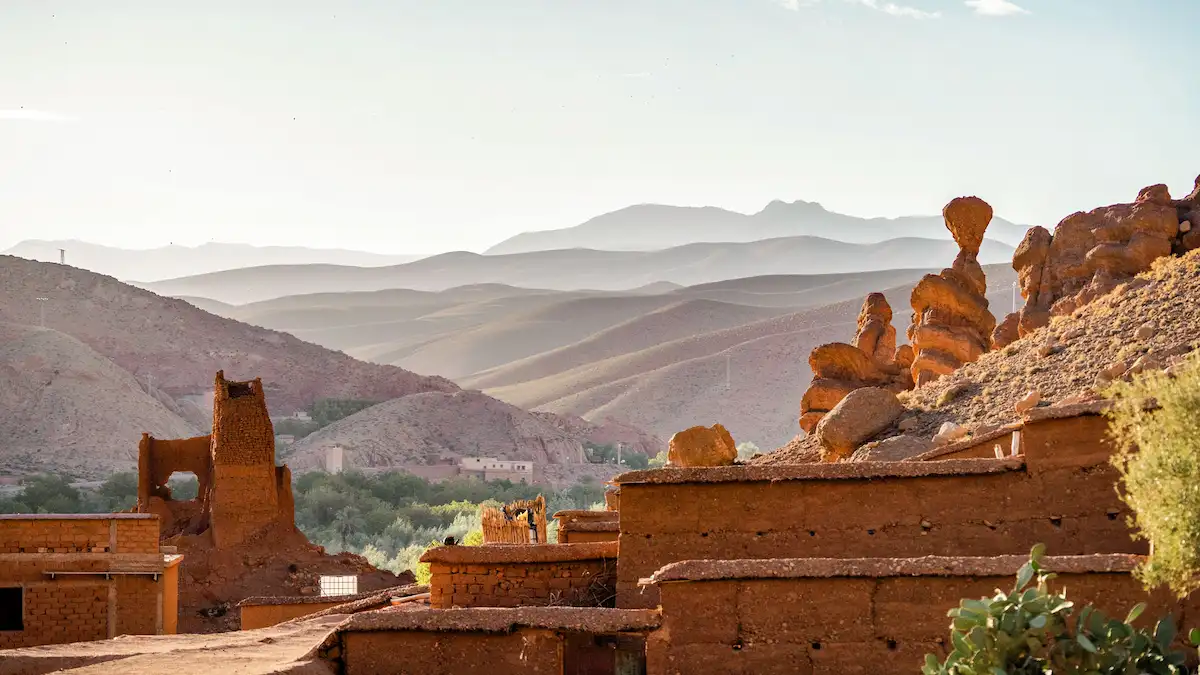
(579, 575)
(838, 616)
(1059, 492)
(583, 527)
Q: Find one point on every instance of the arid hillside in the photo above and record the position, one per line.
(179, 346)
(74, 394)
(424, 429)
(657, 360)
(65, 407)
(578, 268)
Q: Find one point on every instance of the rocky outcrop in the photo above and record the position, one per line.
(702, 446)
(871, 361)
(951, 324)
(1090, 254)
(859, 416)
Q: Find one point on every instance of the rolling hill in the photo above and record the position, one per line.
(648, 227)
(65, 407)
(124, 336)
(166, 262)
(579, 268)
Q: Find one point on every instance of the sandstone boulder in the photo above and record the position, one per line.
(1091, 253)
(857, 418)
(951, 323)
(702, 446)
(872, 360)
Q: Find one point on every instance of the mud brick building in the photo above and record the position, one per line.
(71, 578)
(241, 491)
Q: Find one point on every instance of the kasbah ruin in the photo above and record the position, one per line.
(839, 553)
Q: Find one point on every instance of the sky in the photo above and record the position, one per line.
(420, 126)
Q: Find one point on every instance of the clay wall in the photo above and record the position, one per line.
(78, 602)
(260, 616)
(1059, 493)
(581, 527)
(876, 625)
(527, 641)
(159, 458)
(244, 495)
(526, 651)
(581, 575)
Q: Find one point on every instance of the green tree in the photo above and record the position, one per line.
(1156, 422)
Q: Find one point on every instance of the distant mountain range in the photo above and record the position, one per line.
(575, 269)
(167, 262)
(649, 227)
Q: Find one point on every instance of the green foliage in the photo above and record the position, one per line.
(326, 411)
(607, 454)
(1159, 463)
(47, 493)
(659, 460)
(1030, 631)
(392, 518)
(294, 427)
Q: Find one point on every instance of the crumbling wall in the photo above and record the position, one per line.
(1059, 493)
(244, 494)
(159, 458)
(852, 624)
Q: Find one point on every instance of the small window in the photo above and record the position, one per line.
(12, 608)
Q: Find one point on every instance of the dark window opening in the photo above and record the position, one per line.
(240, 389)
(12, 608)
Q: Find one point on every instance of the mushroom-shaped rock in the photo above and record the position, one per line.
(967, 219)
(702, 446)
(951, 322)
(857, 418)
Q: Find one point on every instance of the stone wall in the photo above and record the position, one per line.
(582, 527)
(260, 616)
(78, 602)
(842, 617)
(1059, 492)
(581, 575)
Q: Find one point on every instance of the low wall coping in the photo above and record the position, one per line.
(520, 553)
(1069, 410)
(78, 516)
(580, 514)
(838, 471)
(595, 620)
(397, 591)
(590, 526)
(930, 566)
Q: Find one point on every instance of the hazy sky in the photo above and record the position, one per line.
(428, 125)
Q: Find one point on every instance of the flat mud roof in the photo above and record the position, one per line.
(519, 553)
(595, 620)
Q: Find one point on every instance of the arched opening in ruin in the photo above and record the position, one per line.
(184, 486)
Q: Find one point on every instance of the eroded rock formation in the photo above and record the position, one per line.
(702, 446)
(1090, 254)
(871, 361)
(951, 324)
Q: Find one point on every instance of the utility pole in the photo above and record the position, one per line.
(619, 446)
(150, 383)
(42, 305)
(1014, 308)
(727, 357)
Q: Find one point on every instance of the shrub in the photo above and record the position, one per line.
(1029, 631)
(1159, 462)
